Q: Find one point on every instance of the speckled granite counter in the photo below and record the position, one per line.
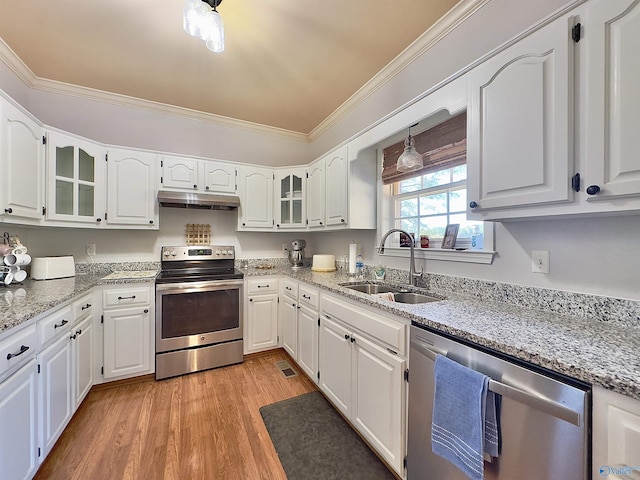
(605, 353)
(22, 302)
(599, 343)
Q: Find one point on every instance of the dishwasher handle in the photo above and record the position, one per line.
(528, 398)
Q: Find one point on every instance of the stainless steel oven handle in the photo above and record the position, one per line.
(180, 287)
(528, 398)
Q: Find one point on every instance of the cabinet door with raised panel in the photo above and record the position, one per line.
(127, 342)
(255, 188)
(179, 173)
(76, 179)
(219, 177)
(55, 390)
(19, 424)
(611, 99)
(336, 188)
(315, 194)
(289, 326)
(262, 323)
(335, 364)
(379, 399)
(131, 188)
(82, 349)
(519, 130)
(308, 342)
(22, 162)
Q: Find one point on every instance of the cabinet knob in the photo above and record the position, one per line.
(150, 222)
(251, 299)
(98, 220)
(320, 223)
(346, 337)
(473, 204)
(207, 187)
(277, 225)
(342, 220)
(195, 186)
(146, 310)
(353, 339)
(593, 189)
(8, 210)
(244, 224)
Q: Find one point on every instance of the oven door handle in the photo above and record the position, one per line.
(206, 285)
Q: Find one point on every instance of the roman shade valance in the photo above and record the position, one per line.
(442, 146)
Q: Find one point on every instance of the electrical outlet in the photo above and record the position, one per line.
(284, 247)
(91, 248)
(540, 261)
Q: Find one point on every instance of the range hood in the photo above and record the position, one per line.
(208, 201)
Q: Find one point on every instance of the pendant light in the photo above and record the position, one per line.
(410, 160)
(202, 20)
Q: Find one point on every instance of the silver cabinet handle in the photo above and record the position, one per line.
(528, 398)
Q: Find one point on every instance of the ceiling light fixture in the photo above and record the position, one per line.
(410, 159)
(202, 20)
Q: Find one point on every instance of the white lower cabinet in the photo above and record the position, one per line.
(19, 424)
(261, 320)
(55, 390)
(308, 326)
(364, 378)
(82, 357)
(128, 331)
(616, 435)
(289, 326)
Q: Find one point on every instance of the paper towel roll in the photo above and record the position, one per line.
(353, 253)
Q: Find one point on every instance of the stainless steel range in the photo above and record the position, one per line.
(198, 310)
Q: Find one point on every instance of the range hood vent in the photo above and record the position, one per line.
(207, 201)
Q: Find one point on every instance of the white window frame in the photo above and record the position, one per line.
(386, 217)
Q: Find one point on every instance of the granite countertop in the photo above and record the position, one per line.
(24, 301)
(605, 353)
(598, 352)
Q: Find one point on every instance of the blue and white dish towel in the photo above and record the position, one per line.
(464, 424)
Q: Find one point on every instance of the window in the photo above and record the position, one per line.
(425, 204)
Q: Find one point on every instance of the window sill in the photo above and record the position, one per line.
(443, 254)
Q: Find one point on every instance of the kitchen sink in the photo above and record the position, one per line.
(410, 297)
(370, 288)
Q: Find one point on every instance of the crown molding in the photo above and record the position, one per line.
(454, 17)
(440, 29)
(24, 73)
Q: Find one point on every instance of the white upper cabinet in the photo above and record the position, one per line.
(75, 179)
(519, 132)
(612, 103)
(315, 194)
(290, 204)
(131, 188)
(255, 188)
(181, 173)
(22, 164)
(336, 188)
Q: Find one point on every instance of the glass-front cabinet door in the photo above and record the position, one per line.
(290, 198)
(75, 175)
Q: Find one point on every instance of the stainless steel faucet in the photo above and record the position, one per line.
(413, 276)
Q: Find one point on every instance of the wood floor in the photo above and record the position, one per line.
(205, 425)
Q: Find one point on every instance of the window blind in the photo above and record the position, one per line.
(442, 146)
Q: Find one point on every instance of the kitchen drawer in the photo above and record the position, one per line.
(259, 286)
(126, 297)
(25, 340)
(309, 297)
(290, 288)
(391, 333)
(83, 307)
(55, 324)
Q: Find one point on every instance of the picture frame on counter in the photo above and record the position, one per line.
(450, 235)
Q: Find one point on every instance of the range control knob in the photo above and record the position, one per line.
(218, 252)
(173, 253)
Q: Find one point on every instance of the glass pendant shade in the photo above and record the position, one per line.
(201, 21)
(410, 159)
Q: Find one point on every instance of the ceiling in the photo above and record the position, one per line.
(287, 63)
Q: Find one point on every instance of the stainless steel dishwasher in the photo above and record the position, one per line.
(545, 418)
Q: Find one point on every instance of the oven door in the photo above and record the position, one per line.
(193, 314)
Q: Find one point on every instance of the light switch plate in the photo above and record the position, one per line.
(540, 261)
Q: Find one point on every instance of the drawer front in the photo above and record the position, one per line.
(126, 297)
(290, 288)
(258, 286)
(17, 348)
(54, 325)
(385, 330)
(309, 297)
(83, 307)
